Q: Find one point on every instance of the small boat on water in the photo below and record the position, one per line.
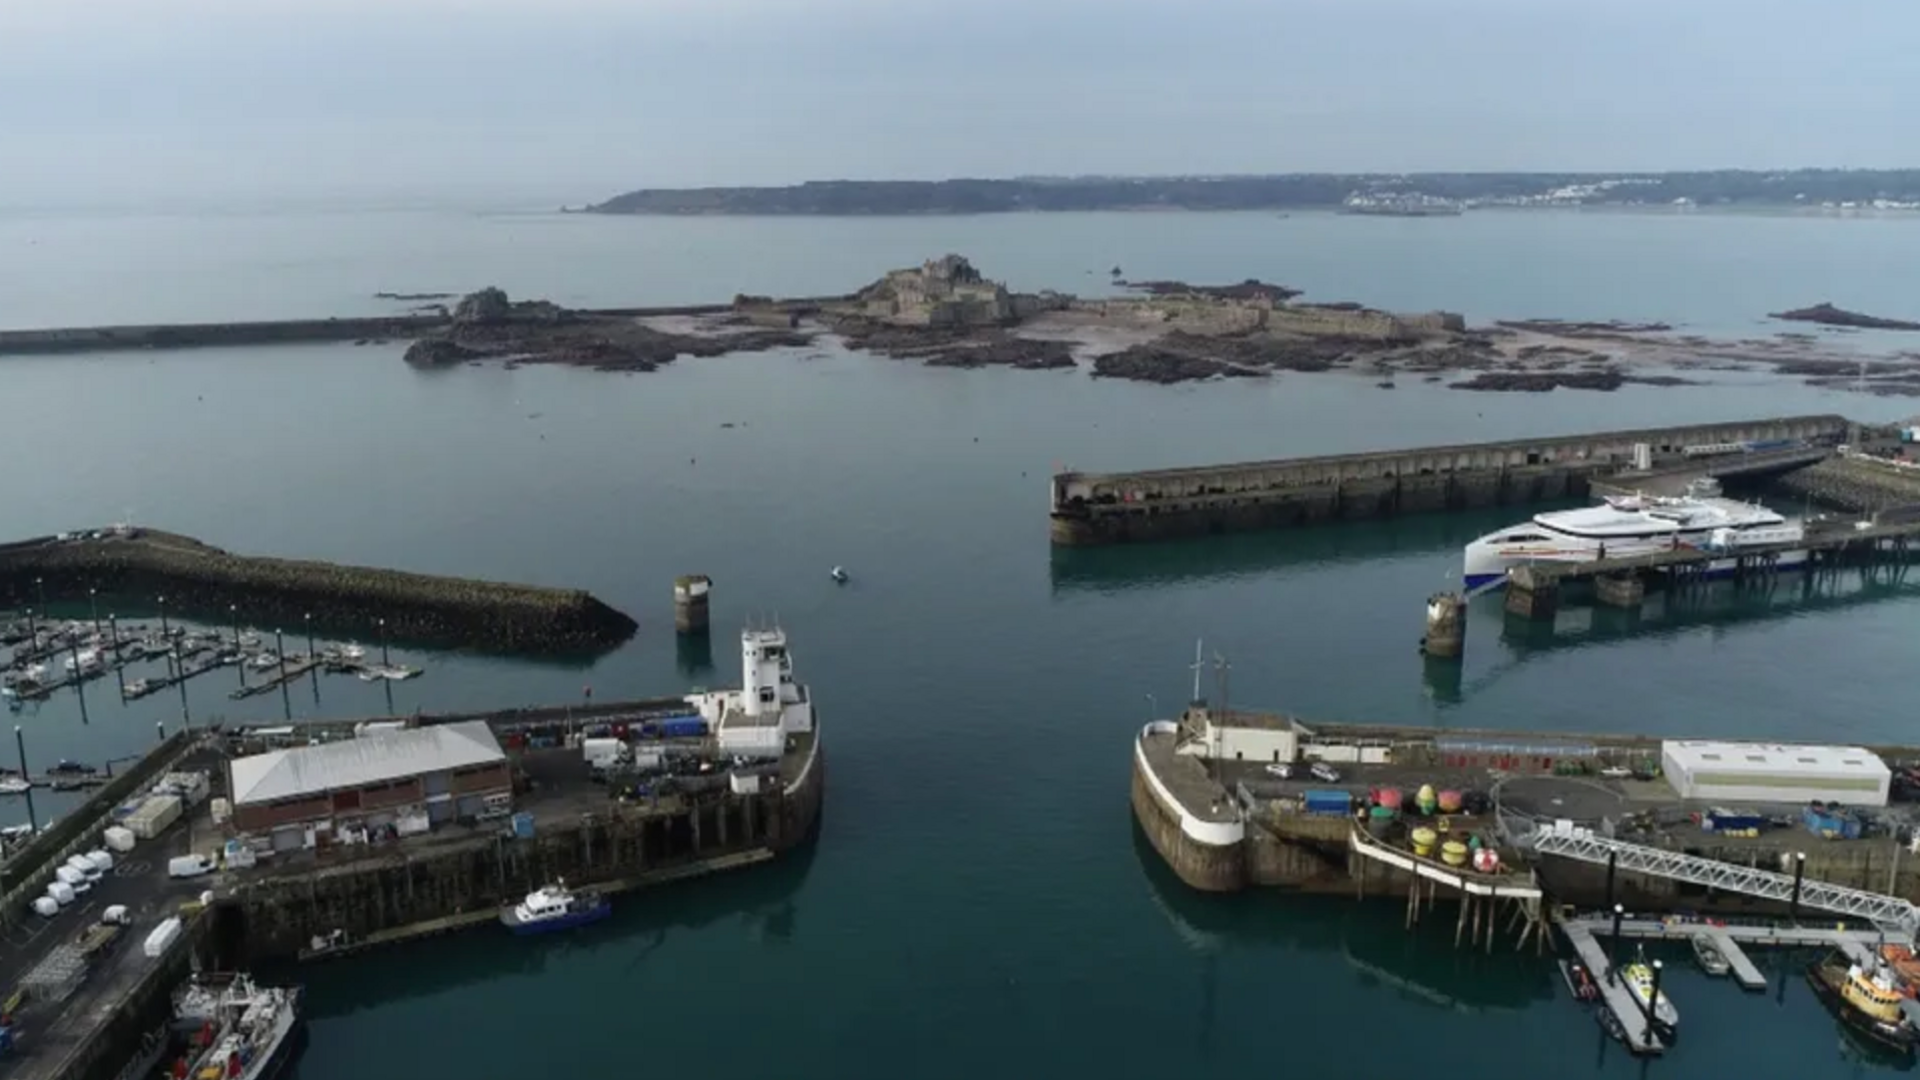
(13, 785)
(838, 574)
(266, 661)
(555, 907)
(1638, 977)
(1867, 1001)
(1707, 954)
(1579, 981)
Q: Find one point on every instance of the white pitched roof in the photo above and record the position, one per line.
(369, 759)
(1771, 759)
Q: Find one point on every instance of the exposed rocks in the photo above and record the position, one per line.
(1564, 328)
(1855, 484)
(455, 612)
(1827, 315)
(413, 296)
(438, 352)
(1539, 382)
(1250, 289)
(1011, 352)
(487, 325)
(1151, 363)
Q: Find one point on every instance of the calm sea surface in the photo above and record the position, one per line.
(978, 900)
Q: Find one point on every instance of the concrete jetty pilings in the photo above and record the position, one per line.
(690, 594)
(197, 578)
(1103, 508)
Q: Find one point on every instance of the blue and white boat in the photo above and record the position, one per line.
(555, 907)
(1635, 525)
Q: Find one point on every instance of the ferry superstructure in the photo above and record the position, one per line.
(1633, 525)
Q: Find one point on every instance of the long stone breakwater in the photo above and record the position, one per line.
(1104, 508)
(196, 578)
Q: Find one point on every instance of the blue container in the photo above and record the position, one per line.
(649, 730)
(1833, 823)
(1321, 801)
(683, 727)
(523, 825)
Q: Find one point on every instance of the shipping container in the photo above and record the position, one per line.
(1324, 801)
(191, 787)
(683, 727)
(119, 838)
(154, 816)
(523, 825)
(1832, 824)
(1719, 820)
(601, 753)
(163, 936)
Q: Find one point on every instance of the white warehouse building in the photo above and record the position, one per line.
(1775, 773)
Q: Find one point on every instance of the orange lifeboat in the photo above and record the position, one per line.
(1904, 964)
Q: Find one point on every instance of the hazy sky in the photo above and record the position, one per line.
(574, 100)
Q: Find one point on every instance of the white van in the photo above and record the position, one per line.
(187, 866)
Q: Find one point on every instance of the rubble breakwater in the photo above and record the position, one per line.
(198, 579)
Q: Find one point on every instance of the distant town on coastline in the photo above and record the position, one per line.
(1413, 194)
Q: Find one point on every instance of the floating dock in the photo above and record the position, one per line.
(1106, 508)
(1641, 1037)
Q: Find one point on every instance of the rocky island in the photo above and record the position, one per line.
(1827, 315)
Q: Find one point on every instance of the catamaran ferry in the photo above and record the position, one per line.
(1633, 525)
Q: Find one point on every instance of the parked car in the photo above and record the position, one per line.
(1325, 773)
(1616, 772)
(1280, 770)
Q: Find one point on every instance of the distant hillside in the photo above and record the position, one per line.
(1891, 188)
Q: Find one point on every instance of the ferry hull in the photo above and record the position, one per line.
(594, 914)
(1477, 583)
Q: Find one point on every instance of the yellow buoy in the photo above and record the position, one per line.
(1454, 853)
(1423, 839)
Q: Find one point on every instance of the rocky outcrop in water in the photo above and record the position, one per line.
(1827, 315)
(1153, 364)
(1250, 289)
(488, 325)
(197, 578)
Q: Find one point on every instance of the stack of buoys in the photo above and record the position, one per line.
(1423, 839)
(1449, 802)
(1453, 853)
(1425, 799)
(1388, 798)
(1486, 860)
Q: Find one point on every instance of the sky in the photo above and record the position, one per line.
(571, 101)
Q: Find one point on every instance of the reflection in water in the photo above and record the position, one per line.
(762, 898)
(1420, 966)
(1122, 567)
(694, 654)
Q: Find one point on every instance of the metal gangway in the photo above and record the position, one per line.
(1890, 913)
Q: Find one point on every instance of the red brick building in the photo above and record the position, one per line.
(434, 773)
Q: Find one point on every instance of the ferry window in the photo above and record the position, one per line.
(1710, 757)
(1806, 761)
(1757, 759)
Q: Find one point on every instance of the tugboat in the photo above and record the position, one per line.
(1708, 955)
(1868, 1002)
(555, 907)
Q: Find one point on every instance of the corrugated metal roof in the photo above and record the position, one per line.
(1455, 744)
(1774, 759)
(370, 759)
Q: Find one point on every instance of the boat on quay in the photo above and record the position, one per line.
(555, 907)
(1627, 525)
(1708, 955)
(235, 1029)
(1866, 1001)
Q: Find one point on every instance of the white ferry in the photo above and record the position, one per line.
(1633, 525)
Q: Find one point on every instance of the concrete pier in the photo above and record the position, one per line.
(1622, 590)
(1104, 508)
(1446, 636)
(690, 593)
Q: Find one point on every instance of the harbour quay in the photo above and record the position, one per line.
(232, 847)
(1107, 508)
(149, 566)
(1239, 799)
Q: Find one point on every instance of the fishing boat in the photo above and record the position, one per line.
(14, 785)
(555, 907)
(236, 1030)
(1579, 981)
(1638, 977)
(1866, 1001)
(1708, 955)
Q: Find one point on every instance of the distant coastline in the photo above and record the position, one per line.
(1837, 190)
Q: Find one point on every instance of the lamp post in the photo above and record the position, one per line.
(20, 743)
(383, 643)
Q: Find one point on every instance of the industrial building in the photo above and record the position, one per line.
(1775, 773)
(410, 779)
